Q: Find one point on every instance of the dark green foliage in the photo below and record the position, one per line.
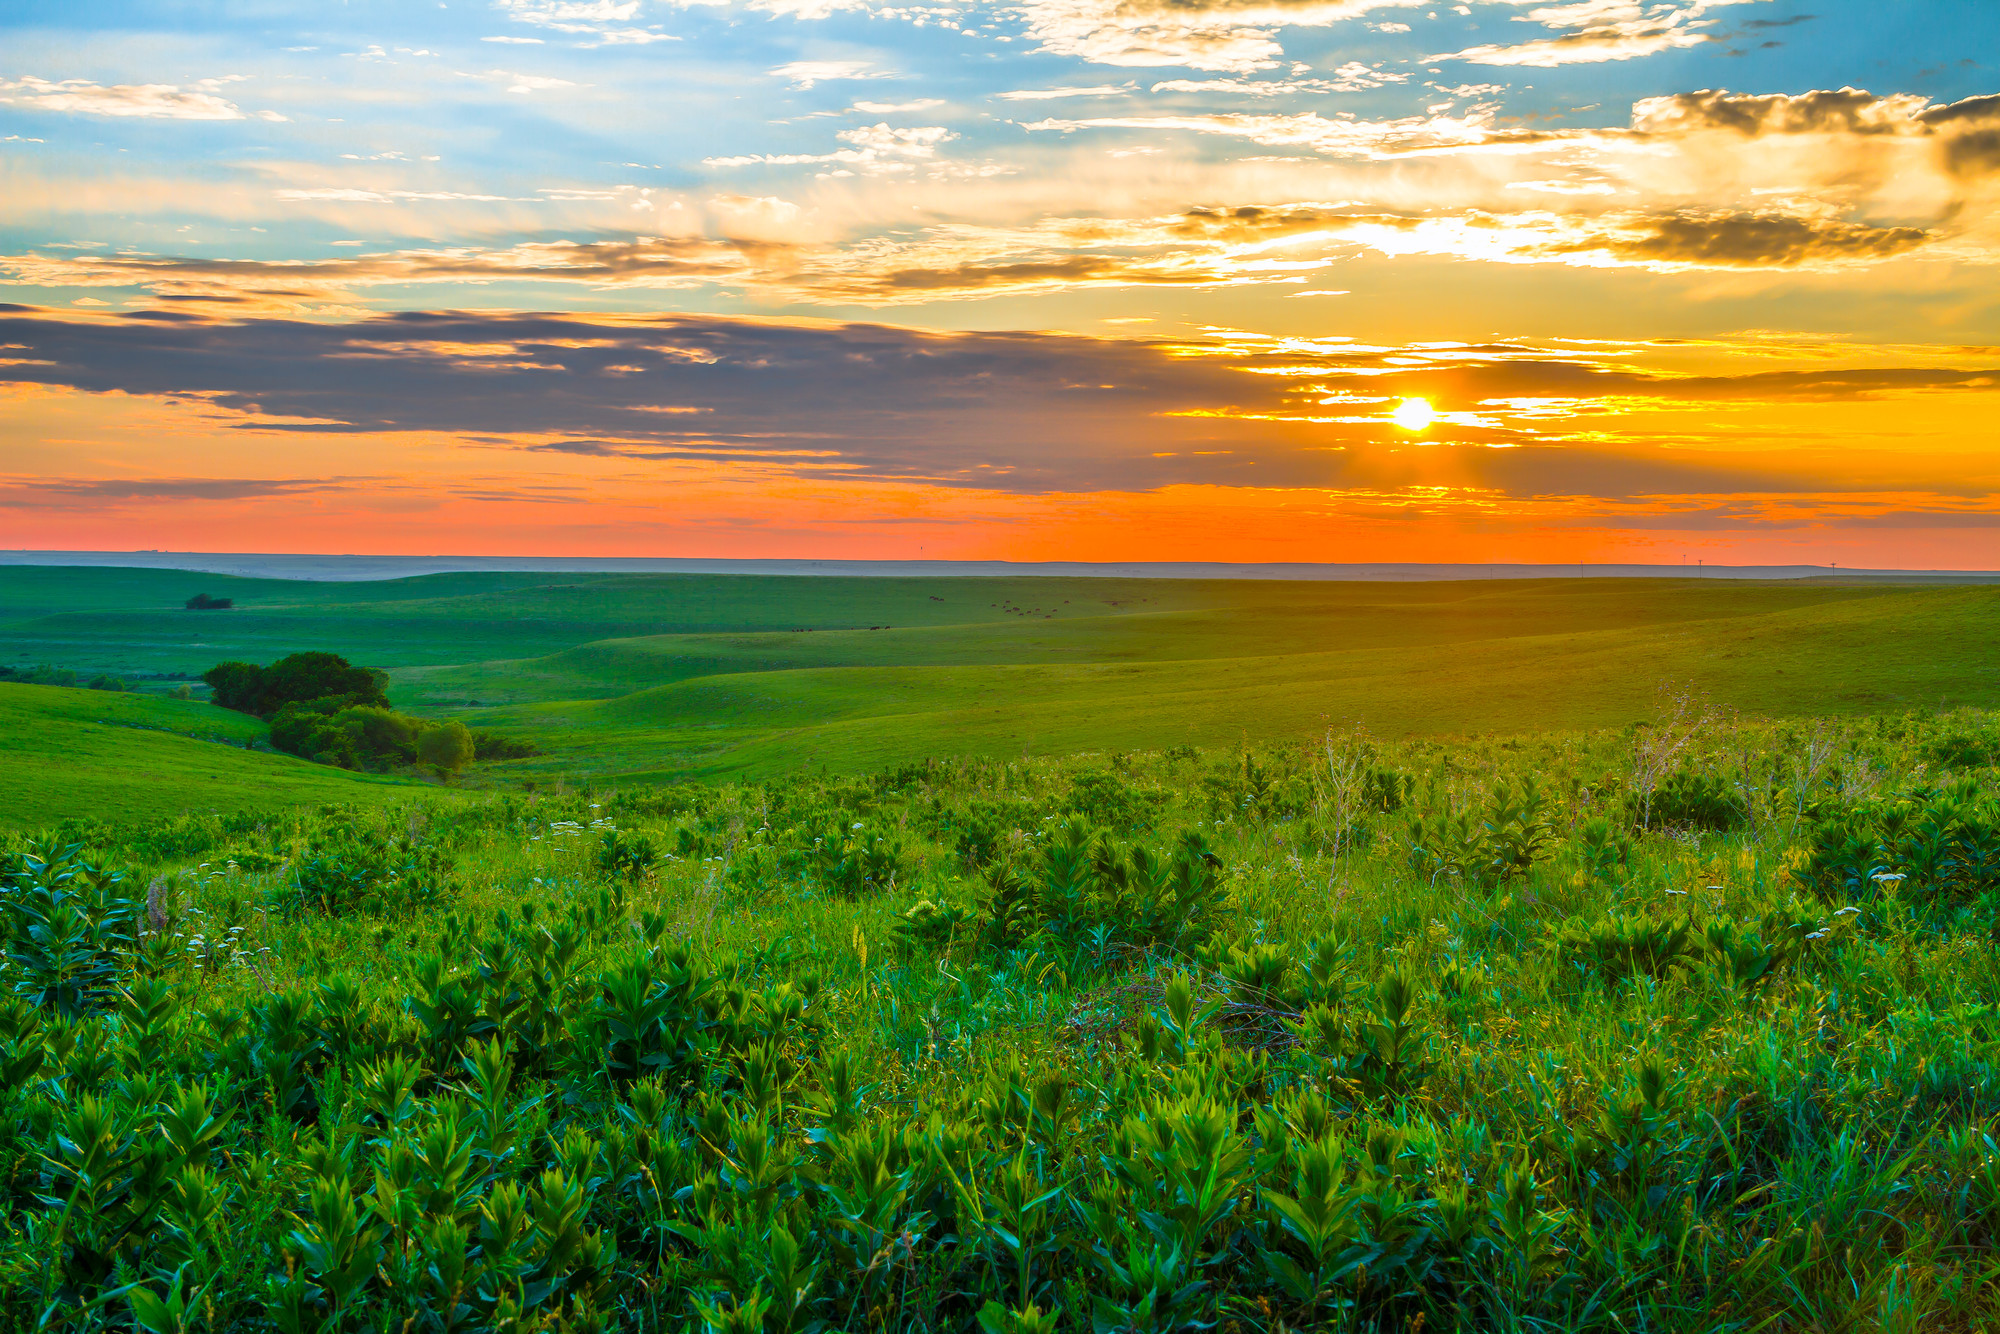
(248, 688)
(853, 861)
(1933, 845)
(1103, 797)
(65, 924)
(369, 872)
(1081, 887)
(632, 857)
(43, 675)
(1604, 850)
(203, 602)
(491, 745)
(1700, 799)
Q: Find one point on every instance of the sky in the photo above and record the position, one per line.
(1239, 280)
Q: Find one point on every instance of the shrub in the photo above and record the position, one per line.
(445, 747)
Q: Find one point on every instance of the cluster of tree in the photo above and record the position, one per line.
(302, 677)
(203, 602)
(366, 736)
(45, 675)
(324, 709)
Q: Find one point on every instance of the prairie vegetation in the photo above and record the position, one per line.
(1684, 1026)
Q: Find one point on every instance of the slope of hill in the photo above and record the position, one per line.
(1916, 650)
(66, 752)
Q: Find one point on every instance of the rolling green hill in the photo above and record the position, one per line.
(673, 675)
(1833, 656)
(66, 752)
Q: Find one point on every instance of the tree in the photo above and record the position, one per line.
(447, 747)
(379, 734)
(203, 602)
(302, 677)
(236, 685)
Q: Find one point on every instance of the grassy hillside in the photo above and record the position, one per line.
(67, 753)
(1450, 675)
(133, 620)
(724, 674)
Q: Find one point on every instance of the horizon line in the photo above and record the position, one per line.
(361, 566)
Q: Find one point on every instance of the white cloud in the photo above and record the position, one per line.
(892, 108)
(1045, 94)
(161, 101)
(1351, 77)
(806, 73)
(1599, 31)
(915, 142)
(1226, 36)
(526, 83)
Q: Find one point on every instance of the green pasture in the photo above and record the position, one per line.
(1448, 675)
(67, 752)
(710, 675)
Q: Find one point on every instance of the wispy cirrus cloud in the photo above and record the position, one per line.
(155, 101)
(93, 494)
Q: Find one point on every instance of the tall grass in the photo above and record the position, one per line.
(1545, 1035)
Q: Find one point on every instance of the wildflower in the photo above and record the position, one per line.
(1680, 892)
(1844, 911)
(1818, 935)
(1888, 877)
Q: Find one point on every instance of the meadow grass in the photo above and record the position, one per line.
(132, 757)
(1683, 1026)
(1849, 655)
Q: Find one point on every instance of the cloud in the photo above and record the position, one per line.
(91, 495)
(806, 73)
(1349, 78)
(1755, 240)
(894, 108)
(1027, 412)
(1367, 139)
(162, 101)
(916, 142)
(1047, 94)
(1841, 111)
(526, 83)
(603, 22)
(1599, 31)
(1232, 36)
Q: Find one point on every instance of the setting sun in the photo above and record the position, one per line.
(1413, 414)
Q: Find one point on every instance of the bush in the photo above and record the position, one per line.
(44, 675)
(488, 745)
(445, 747)
(203, 602)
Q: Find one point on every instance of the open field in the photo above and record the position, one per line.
(68, 752)
(1455, 674)
(727, 674)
